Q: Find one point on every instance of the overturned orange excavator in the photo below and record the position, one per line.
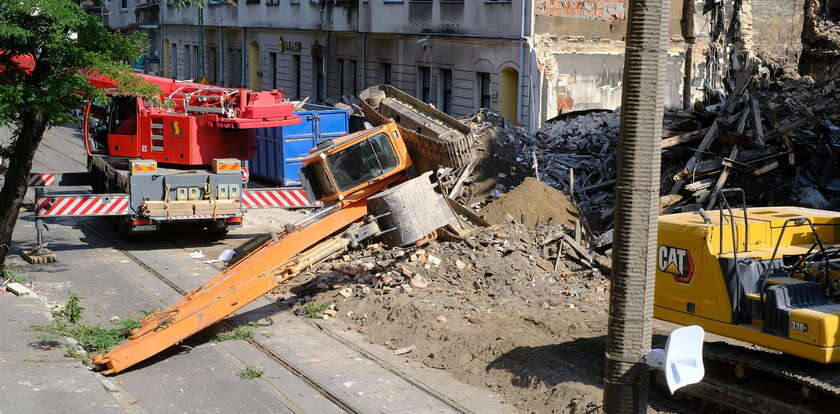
(366, 183)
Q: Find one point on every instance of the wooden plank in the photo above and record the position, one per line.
(456, 189)
(759, 129)
(721, 181)
(766, 168)
(684, 138)
(692, 162)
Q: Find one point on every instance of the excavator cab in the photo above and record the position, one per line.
(338, 168)
(767, 276)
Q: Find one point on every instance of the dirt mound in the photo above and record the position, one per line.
(496, 310)
(535, 201)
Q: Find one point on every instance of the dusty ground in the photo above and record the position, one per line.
(491, 309)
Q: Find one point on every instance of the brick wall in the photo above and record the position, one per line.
(583, 9)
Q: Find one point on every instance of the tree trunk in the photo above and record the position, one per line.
(20, 164)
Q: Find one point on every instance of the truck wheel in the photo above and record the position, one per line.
(218, 229)
(122, 226)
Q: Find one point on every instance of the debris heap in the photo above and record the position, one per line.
(778, 139)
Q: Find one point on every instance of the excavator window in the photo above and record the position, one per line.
(362, 162)
(316, 182)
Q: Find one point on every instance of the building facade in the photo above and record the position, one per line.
(133, 15)
(457, 55)
(527, 59)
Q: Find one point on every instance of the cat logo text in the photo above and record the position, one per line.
(677, 262)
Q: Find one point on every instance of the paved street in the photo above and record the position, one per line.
(336, 371)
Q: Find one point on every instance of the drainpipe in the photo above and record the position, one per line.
(242, 60)
(521, 81)
(161, 35)
(220, 71)
(688, 35)
(626, 377)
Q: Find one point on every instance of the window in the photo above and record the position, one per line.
(174, 61)
(230, 62)
(213, 58)
(272, 67)
(187, 62)
(319, 78)
(445, 90)
(484, 98)
(425, 84)
(355, 77)
(362, 162)
(385, 73)
(123, 4)
(198, 72)
(252, 1)
(123, 116)
(296, 64)
(341, 76)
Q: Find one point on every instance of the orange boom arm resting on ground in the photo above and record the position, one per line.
(228, 292)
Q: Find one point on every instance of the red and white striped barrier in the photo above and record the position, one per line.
(254, 198)
(41, 179)
(74, 205)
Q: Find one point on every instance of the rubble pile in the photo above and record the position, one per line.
(497, 252)
(582, 146)
(776, 138)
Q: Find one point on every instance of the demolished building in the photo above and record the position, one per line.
(578, 47)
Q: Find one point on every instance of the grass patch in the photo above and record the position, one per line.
(240, 332)
(267, 334)
(251, 373)
(315, 310)
(10, 274)
(71, 311)
(92, 338)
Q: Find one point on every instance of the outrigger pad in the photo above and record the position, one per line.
(39, 254)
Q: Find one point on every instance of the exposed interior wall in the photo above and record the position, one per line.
(820, 37)
(578, 47)
(777, 30)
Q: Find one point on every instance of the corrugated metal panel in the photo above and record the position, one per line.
(280, 149)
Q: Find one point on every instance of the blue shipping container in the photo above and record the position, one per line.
(281, 149)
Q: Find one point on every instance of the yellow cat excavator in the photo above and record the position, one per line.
(767, 276)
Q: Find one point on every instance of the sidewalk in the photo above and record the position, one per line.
(37, 377)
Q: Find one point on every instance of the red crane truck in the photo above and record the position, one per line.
(182, 159)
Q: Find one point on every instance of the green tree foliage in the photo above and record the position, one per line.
(61, 45)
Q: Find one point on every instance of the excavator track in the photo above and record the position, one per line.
(751, 380)
(434, 138)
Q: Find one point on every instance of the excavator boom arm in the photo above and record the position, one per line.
(228, 292)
